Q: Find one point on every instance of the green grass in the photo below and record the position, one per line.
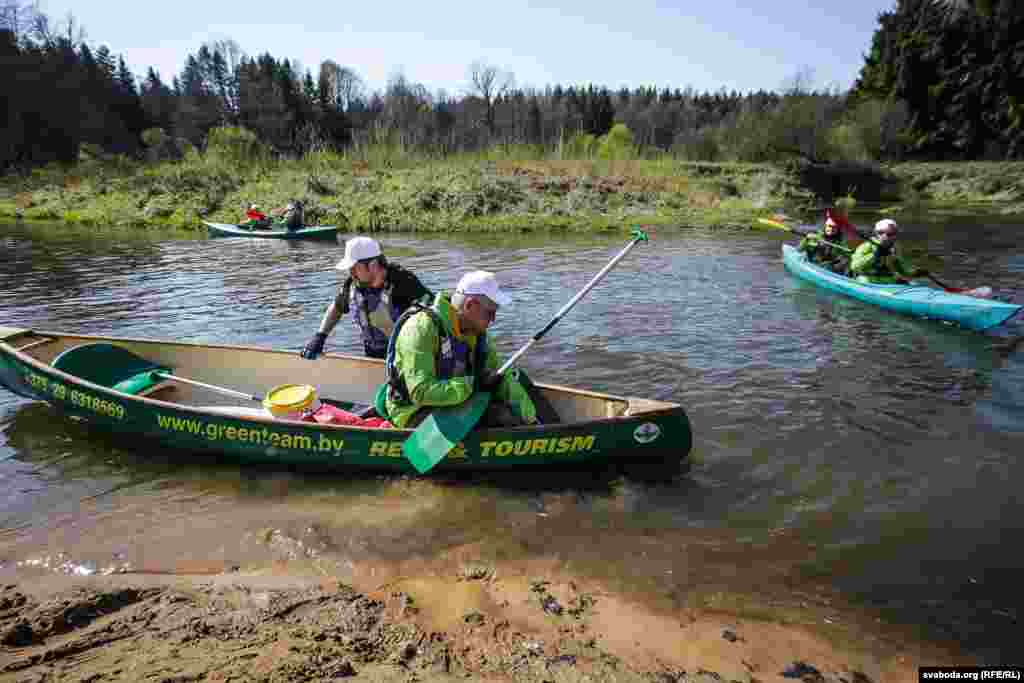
(385, 187)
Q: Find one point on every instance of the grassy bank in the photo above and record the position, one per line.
(472, 192)
(461, 193)
(959, 188)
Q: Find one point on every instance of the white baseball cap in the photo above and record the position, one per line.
(481, 282)
(886, 223)
(357, 249)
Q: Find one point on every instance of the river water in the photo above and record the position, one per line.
(838, 448)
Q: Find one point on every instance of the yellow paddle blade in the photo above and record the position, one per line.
(775, 224)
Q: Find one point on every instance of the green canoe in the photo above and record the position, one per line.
(318, 232)
(98, 378)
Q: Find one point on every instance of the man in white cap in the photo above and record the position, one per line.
(876, 260)
(376, 291)
(439, 356)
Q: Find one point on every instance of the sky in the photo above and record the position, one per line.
(741, 45)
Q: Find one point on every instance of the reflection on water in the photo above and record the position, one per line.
(834, 442)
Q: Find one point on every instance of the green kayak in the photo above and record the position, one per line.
(318, 232)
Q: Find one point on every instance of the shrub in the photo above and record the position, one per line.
(579, 146)
(235, 145)
(617, 144)
(154, 137)
(162, 147)
(697, 145)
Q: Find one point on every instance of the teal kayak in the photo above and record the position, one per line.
(318, 232)
(918, 300)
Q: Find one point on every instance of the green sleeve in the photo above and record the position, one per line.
(512, 390)
(860, 263)
(806, 244)
(415, 353)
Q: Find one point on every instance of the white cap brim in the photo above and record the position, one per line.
(501, 298)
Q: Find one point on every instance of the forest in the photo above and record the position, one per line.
(941, 80)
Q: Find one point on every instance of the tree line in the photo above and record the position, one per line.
(959, 67)
(942, 79)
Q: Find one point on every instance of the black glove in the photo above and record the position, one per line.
(489, 381)
(315, 346)
(921, 272)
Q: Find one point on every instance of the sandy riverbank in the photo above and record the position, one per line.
(431, 620)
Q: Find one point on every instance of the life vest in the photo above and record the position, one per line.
(822, 249)
(376, 314)
(454, 357)
(881, 265)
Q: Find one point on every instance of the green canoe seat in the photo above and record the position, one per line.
(111, 366)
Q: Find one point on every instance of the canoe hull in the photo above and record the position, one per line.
(657, 435)
(917, 300)
(320, 232)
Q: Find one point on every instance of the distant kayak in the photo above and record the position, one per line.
(317, 232)
(969, 311)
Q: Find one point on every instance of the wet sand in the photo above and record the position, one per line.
(447, 618)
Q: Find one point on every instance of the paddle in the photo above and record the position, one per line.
(240, 394)
(212, 387)
(979, 292)
(783, 226)
(445, 427)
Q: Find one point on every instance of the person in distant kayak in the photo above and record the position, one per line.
(827, 248)
(439, 356)
(294, 215)
(839, 216)
(256, 218)
(376, 291)
(877, 261)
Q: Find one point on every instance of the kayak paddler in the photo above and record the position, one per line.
(878, 262)
(820, 247)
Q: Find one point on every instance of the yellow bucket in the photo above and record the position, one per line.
(291, 401)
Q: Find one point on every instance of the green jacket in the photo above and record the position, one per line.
(417, 347)
(867, 267)
(819, 251)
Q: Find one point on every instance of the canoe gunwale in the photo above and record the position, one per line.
(661, 410)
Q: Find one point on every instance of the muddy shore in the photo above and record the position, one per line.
(454, 619)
